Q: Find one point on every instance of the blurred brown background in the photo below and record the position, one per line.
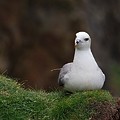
(37, 36)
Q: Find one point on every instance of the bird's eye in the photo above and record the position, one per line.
(86, 39)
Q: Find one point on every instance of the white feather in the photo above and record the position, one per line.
(84, 73)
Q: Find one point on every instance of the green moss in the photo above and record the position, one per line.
(19, 104)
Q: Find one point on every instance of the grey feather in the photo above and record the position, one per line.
(64, 70)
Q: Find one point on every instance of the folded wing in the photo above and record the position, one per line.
(64, 70)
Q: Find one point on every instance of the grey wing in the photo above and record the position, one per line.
(64, 70)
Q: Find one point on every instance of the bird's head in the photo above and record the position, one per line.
(82, 41)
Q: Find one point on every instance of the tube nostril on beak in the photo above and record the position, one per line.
(77, 42)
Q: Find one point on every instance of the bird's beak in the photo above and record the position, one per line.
(76, 45)
(77, 42)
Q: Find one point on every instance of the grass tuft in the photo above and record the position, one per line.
(17, 103)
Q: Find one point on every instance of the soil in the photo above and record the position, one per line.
(106, 111)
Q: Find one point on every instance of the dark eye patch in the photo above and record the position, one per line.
(86, 39)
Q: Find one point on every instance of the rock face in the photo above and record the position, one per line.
(37, 36)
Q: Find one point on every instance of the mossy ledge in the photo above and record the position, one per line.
(16, 103)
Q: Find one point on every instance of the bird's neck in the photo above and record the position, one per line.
(84, 59)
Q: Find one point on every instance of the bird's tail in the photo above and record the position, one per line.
(56, 69)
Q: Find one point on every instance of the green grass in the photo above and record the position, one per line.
(17, 103)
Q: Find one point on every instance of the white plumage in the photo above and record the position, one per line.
(83, 73)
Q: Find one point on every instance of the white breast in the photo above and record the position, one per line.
(81, 81)
(85, 74)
